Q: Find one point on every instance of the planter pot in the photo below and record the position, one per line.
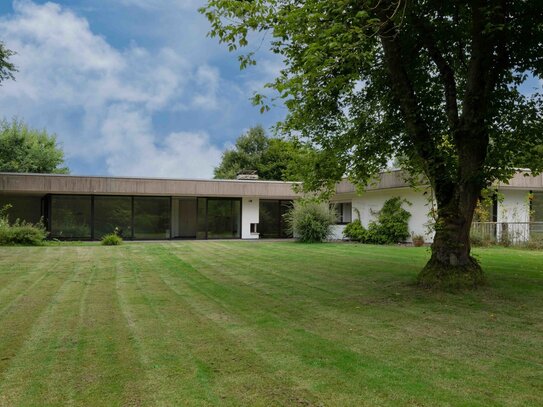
(418, 242)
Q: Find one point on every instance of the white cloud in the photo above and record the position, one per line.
(208, 79)
(67, 71)
(133, 152)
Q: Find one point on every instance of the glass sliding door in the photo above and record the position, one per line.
(113, 213)
(272, 224)
(143, 217)
(268, 224)
(219, 218)
(152, 217)
(223, 218)
(71, 216)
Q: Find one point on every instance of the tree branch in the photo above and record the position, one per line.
(445, 71)
(501, 59)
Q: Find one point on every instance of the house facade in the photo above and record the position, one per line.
(86, 208)
(515, 209)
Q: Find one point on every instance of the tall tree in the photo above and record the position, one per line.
(23, 149)
(271, 158)
(436, 82)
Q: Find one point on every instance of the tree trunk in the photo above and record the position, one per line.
(451, 265)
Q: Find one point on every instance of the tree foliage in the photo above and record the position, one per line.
(23, 149)
(271, 158)
(7, 69)
(437, 83)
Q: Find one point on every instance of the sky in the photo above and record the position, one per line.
(130, 87)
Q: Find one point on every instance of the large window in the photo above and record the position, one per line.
(71, 216)
(218, 218)
(26, 208)
(223, 218)
(151, 217)
(271, 224)
(142, 217)
(113, 213)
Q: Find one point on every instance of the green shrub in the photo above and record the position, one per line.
(392, 224)
(22, 233)
(310, 221)
(356, 231)
(112, 239)
(535, 242)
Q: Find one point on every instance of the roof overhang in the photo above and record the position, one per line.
(74, 184)
(522, 180)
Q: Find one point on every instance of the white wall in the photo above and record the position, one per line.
(372, 201)
(249, 214)
(514, 207)
(337, 232)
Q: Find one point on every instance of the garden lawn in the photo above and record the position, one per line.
(254, 323)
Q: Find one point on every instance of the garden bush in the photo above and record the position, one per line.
(112, 239)
(310, 221)
(356, 231)
(20, 232)
(535, 242)
(391, 225)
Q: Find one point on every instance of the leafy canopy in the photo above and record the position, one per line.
(23, 149)
(434, 82)
(271, 158)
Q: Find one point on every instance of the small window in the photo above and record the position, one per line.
(254, 228)
(344, 212)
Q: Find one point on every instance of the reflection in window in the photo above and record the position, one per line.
(112, 213)
(272, 224)
(223, 218)
(71, 216)
(23, 207)
(151, 217)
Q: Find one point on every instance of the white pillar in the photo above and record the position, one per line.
(249, 214)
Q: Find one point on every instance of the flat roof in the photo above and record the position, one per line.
(23, 183)
(522, 180)
(106, 185)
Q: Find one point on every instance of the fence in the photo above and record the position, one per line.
(506, 232)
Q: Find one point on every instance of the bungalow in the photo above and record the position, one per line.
(516, 208)
(85, 207)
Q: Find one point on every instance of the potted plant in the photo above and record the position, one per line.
(418, 240)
